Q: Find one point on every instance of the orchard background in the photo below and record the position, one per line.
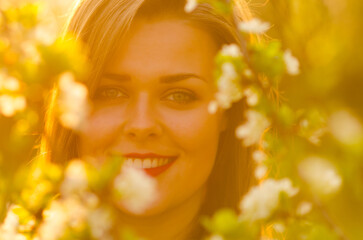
(303, 87)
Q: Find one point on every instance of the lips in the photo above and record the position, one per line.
(153, 164)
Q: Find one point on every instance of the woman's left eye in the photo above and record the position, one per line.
(182, 97)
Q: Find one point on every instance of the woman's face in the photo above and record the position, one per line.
(152, 103)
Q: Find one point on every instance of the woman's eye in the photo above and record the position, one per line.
(109, 93)
(181, 97)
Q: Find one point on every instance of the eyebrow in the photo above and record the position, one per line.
(163, 79)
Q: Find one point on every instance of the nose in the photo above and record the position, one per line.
(142, 123)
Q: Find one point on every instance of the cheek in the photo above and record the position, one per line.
(194, 131)
(100, 129)
(196, 134)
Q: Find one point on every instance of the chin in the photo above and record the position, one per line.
(152, 210)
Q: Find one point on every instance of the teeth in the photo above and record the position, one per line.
(154, 163)
(147, 162)
(138, 163)
(128, 161)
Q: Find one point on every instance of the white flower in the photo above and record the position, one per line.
(54, 223)
(252, 130)
(216, 237)
(8, 83)
(213, 107)
(229, 89)
(46, 34)
(228, 73)
(320, 175)
(9, 228)
(190, 5)
(304, 123)
(20, 236)
(291, 63)
(314, 138)
(76, 210)
(90, 199)
(279, 227)
(260, 171)
(12, 84)
(9, 104)
(72, 102)
(262, 200)
(251, 96)
(30, 51)
(303, 208)
(28, 226)
(229, 86)
(100, 221)
(254, 25)
(61, 214)
(138, 190)
(248, 73)
(259, 156)
(345, 127)
(75, 179)
(231, 50)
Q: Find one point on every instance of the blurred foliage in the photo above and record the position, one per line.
(30, 55)
(326, 37)
(31, 58)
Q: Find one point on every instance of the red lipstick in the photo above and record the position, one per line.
(146, 155)
(150, 170)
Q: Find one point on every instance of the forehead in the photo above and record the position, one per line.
(164, 46)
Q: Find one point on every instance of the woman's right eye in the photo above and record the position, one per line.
(109, 94)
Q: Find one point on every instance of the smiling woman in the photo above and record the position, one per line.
(150, 86)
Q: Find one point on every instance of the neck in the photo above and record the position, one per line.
(176, 223)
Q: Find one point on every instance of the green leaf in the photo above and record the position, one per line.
(286, 116)
(268, 59)
(225, 222)
(129, 234)
(65, 54)
(99, 178)
(221, 7)
(319, 232)
(27, 15)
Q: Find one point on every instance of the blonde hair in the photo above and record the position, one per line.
(101, 24)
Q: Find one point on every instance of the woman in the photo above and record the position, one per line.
(150, 85)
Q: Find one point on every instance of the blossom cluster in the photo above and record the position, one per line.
(73, 204)
(251, 73)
